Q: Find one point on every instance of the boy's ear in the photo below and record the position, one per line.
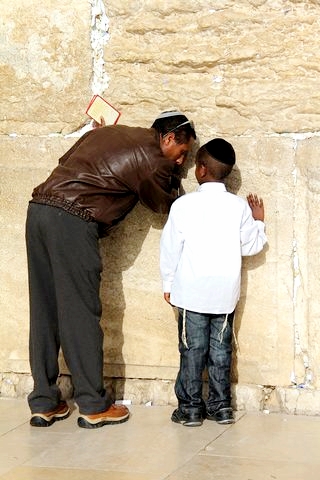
(202, 171)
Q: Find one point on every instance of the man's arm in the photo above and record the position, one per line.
(159, 191)
(171, 245)
(74, 147)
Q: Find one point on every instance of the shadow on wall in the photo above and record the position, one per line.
(248, 263)
(119, 251)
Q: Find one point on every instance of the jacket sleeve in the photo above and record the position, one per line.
(159, 190)
(74, 147)
(253, 237)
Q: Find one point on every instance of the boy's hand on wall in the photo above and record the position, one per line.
(256, 205)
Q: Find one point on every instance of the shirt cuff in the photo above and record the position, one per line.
(261, 225)
(166, 286)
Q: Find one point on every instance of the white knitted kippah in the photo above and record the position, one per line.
(169, 113)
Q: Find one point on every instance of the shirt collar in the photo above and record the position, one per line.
(216, 187)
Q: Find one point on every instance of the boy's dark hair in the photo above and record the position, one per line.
(174, 121)
(218, 156)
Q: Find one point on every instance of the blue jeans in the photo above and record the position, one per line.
(205, 340)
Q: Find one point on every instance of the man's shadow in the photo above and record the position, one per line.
(119, 251)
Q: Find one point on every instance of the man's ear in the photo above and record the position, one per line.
(169, 138)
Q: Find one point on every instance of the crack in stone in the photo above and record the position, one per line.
(300, 350)
(99, 38)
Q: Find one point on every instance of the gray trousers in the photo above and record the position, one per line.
(64, 266)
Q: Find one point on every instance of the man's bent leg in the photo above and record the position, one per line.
(44, 339)
(77, 270)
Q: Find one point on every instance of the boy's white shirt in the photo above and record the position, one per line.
(201, 248)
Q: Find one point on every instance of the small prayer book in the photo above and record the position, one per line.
(99, 107)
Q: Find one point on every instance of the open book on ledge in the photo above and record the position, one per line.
(99, 107)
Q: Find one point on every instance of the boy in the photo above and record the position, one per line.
(207, 233)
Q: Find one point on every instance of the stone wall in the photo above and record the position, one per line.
(247, 71)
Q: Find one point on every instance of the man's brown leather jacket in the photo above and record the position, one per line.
(107, 171)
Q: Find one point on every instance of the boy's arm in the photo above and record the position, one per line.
(171, 245)
(166, 296)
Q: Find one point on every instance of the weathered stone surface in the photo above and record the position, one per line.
(249, 66)
(248, 397)
(15, 385)
(247, 71)
(299, 401)
(45, 67)
(25, 162)
(307, 270)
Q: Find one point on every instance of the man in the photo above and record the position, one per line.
(96, 183)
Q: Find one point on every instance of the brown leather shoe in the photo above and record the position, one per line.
(114, 414)
(45, 419)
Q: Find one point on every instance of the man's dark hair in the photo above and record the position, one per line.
(178, 124)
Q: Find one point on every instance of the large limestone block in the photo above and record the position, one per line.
(141, 331)
(238, 66)
(45, 67)
(299, 401)
(263, 324)
(264, 314)
(25, 162)
(140, 328)
(307, 268)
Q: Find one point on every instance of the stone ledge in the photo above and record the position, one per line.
(268, 399)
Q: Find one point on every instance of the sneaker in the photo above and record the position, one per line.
(114, 414)
(223, 416)
(45, 419)
(187, 420)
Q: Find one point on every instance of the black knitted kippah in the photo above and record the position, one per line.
(221, 150)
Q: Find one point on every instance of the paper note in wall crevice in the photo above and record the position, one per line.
(99, 107)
